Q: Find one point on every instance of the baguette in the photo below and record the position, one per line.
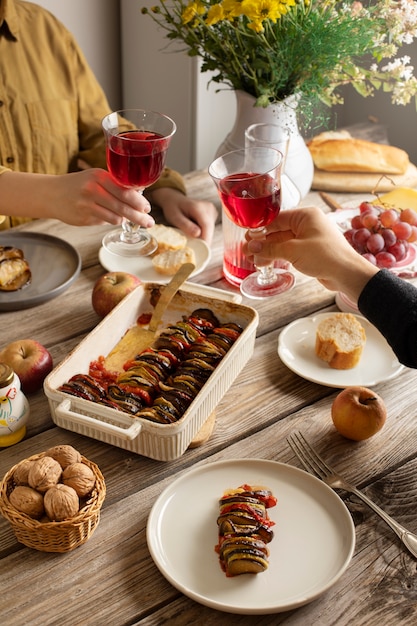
(170, 261)
(339, 152)
(340, 339)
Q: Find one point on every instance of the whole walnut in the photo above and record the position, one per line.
(61, 502)
(64, 454)
(28, 501)
(44, 473)
(21, 473)
(80, 477)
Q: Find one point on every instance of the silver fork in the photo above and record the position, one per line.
(315, 464)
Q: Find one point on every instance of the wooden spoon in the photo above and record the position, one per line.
(137, 338)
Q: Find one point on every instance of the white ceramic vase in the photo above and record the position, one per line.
(299, 164)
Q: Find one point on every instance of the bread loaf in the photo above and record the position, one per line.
(340, 339)
(339, 152)
(170, 261)
(167, 238)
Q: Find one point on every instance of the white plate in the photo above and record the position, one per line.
(143, 268)
(312, 547)
(342, 219)
(296, 348)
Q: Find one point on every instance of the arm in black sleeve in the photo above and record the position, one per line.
(390, 304)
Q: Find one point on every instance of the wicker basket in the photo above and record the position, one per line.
(54, 536)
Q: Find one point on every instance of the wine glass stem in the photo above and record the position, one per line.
(131, 232)
(128, 234)
(266, 274)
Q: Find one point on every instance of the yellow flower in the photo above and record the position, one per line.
(232, 8)
(261, 10)
(193, 10)
(215, 14)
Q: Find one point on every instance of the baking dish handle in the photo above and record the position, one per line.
(63, 410)
(212, 292)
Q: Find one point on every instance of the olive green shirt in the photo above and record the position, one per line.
(51, 104)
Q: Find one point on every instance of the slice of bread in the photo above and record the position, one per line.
(340, 339)
(167, 238)
(170, 261)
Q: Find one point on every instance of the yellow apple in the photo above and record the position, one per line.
(358, 413)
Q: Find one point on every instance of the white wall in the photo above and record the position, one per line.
(400, 121)
(156, 76)
(95, 25)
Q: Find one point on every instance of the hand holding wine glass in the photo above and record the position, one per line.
(136, 145)
(248, 183)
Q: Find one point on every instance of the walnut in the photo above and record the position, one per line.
(44, 473)
(64, 454)
(61, 502)
(80, 477)
(27, 500)
(21, 473)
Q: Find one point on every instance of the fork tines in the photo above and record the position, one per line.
(307, 456)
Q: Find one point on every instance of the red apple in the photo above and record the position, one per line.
(358, 413)
(30, 360)
(110, 289)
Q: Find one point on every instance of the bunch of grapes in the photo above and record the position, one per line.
(382, 235)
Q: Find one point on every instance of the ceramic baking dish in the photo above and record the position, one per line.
(162, 442)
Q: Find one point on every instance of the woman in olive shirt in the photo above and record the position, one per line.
(51, 107)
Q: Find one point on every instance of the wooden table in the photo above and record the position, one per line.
(112, 579)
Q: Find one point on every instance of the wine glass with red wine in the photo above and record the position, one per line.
(136, 145)
(248, 183)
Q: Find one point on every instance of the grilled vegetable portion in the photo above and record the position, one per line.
(244, 530)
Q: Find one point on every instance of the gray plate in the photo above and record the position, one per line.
(54, 264)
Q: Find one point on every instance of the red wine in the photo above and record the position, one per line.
(136, 158)
(250, 200)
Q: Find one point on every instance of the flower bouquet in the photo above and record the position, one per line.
(272, 49)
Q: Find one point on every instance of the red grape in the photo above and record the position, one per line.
(364, 207)
(375, 243)
(398, 250)
(356, 222)
(385, 259)
(389, 217)
(349, 234)
(380, 235)
(361, 236)
(410, 216)
(413, 237)
(371, 258)
(389, 237)
(402, 230)
(370, 220)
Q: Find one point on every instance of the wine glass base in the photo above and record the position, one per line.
(251, 288)
(143, 245)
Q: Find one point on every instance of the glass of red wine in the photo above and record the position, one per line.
(248, 183)
(136, 145)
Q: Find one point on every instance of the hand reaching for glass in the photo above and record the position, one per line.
(316, 247)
